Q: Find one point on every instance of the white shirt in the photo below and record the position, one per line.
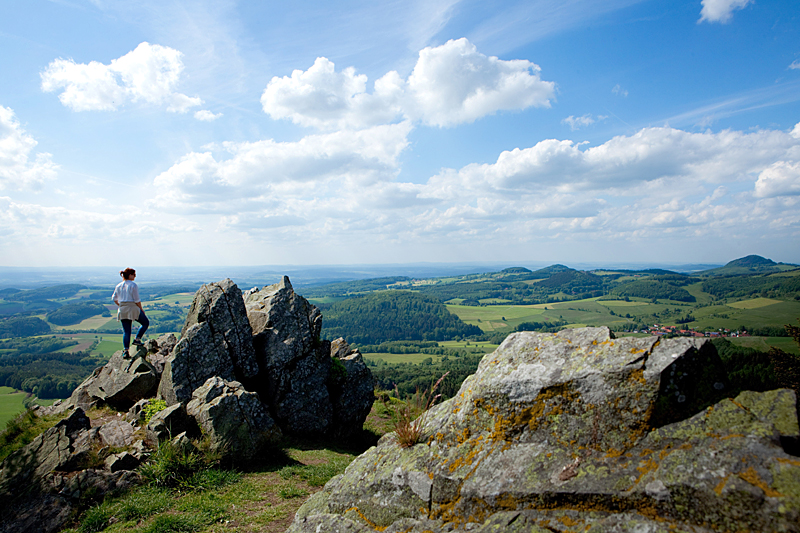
(126, 291)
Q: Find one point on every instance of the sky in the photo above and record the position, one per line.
(171, 133)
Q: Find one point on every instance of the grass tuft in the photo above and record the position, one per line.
(410, 415)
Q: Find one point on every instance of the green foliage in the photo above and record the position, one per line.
(662, 289)
(290, 491)
(173, 466)
(751, 286)
(45, 293)
(152, 408)
(169, 523)
(553, 326)
(408, 378)
(345, 288)
(393, 315)
(22, 326)
(23, 429)
(34, 345)
(747, 369)
(73, 313)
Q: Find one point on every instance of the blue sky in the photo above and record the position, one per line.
(245, 133)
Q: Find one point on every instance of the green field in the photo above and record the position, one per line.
(492, 318)
(10, 405)
(763, 344)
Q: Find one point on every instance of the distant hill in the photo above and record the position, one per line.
(749, 265)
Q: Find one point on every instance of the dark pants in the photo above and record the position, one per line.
(126, 329)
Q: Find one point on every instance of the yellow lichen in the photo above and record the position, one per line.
(372, 524)
(751, 476)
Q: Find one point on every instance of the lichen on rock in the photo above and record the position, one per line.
(578, 430)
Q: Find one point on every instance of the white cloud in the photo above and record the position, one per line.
(454, 83)
(576, 123)
(206, 116)
(619, 91)
(255, 174)
(720, 10)
(149, 73)
(795, 64)
(782, 178)
(450, 84)
(19, 167)
(348, 185)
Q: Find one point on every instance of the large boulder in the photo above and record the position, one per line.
(123, 381)
(577, 431)
(215, 341)
(294, 363)
(233, 419)
(168, 423)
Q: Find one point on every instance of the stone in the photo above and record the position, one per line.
(294, 362)
(52, 450)
(123, 381)
(116, 433)
(233, 419)
(169, 422)
(216, 340)
(579, 431)
(135, 414)
(159, 350)
(121, 461)
(352, 393)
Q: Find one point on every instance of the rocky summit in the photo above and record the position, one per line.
(247, 370)
(579, 431)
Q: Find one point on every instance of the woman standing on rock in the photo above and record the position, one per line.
(126, 296)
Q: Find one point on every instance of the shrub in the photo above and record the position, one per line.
(152, 408)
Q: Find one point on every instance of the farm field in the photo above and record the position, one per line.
(493, 318)
(763, 344)
(396, 358)
(10, 404)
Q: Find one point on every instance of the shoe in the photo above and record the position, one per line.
(137, 342)
(125, 354)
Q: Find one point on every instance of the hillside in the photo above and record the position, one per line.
(392, 315)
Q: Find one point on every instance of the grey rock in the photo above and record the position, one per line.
(215, 341)
(52, 450)
(117, 433)
(168, 423)
(124, 380)
(159, 350)
(580, 431)
(233, 419)
(121, 461)
(352, 394)
(294, 363)
(136, 413)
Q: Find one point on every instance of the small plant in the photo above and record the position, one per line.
(410, 416)
(290, 491)
(172, 465)
(152, 408)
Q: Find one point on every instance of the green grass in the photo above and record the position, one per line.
(763, 344)
(11, 404)
(263, 499)
(395, 358)
(490, 318)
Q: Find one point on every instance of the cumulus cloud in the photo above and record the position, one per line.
(782, 178)
(20, 168)
(450, 84)
(720, 10)
(149, 73)
(206, 116)
(254, 172)
(658, 181)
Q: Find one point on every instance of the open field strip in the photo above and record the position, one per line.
(755, 303)
(10, 404)
(763, 344)
(395, 358)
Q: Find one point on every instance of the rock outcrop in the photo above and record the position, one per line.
(215, 341)
(43, 482)
(241, 386)
(295, 363)
(578, 431)
(233, 419)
